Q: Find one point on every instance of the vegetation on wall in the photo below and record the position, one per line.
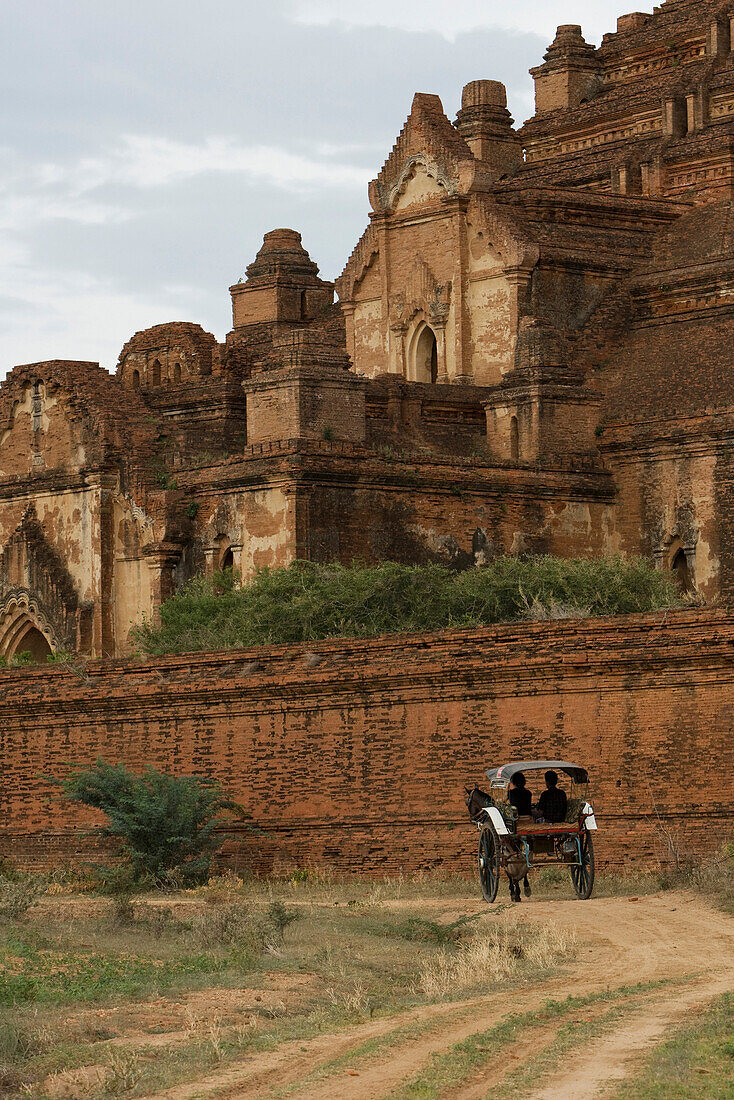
(306, 602)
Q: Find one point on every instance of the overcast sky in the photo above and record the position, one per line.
(147, 145)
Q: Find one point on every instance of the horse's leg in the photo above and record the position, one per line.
(526, 887)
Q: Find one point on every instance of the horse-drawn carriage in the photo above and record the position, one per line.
(518, 844)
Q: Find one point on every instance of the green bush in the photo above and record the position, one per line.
(168, 825)
(306, 602)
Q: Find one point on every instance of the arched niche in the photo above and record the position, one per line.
(34, 643)
(680, 561)
(681, 570)
(423, 355)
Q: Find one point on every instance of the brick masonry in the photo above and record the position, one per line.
(354, 753)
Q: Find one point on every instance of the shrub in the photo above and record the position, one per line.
(306, 602)
(168, 825)
(279, 917)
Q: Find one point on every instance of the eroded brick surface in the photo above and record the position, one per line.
(354, 754)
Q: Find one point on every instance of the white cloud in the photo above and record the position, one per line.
(450, 20)
(34, 193)
(142, 161)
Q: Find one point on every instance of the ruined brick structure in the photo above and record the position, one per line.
(531, 351)
(354, 754)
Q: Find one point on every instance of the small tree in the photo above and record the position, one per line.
(168, 825)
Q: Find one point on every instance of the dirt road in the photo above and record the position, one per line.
(674, 939)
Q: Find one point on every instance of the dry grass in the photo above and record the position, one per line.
(239, 966)
(494, 955)
(715, 877)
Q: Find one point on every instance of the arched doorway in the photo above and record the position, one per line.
(681, 571)
(227, 559)
(423, 366)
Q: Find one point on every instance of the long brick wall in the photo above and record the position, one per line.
(354, 753)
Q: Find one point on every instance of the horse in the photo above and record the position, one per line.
(516, 865)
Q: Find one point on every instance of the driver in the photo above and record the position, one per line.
(552, 804)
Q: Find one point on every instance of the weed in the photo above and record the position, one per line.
(232, 926)
(18, 895)
(220, 888)
(208, 1033)
(19, 1044)
(353, 1001)
(715, 877)
(125, 1071)
(122, 911)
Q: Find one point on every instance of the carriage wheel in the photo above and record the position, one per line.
(583, 876)
(489, 862)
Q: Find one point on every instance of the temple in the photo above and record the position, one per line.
(528, 350)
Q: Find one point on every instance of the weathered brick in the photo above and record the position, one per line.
(358, 759)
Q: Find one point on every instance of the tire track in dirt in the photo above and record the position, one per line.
(621, 942)
(618, 1053)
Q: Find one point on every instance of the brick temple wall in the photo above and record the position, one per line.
(355, 753)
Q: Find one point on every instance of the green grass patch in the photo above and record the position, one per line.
(307, 602)
(46, 975)
(696, 1062)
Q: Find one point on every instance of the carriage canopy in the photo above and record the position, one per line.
(500, 777)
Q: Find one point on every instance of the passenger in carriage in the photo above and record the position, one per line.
(553, 803)
(519, 796)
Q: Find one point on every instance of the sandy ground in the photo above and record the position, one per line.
(622, 941)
